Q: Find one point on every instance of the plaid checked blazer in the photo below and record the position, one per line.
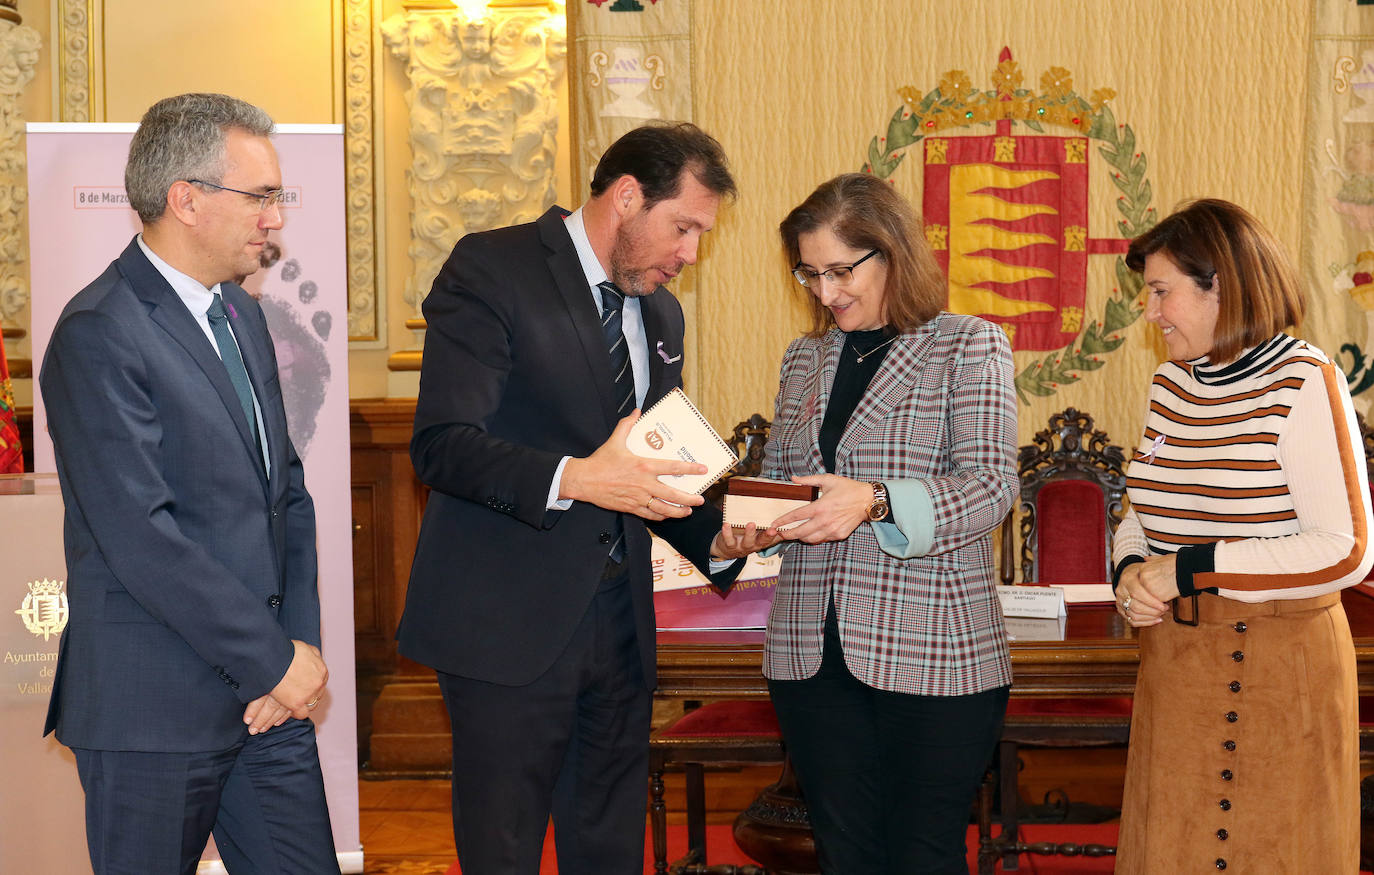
(940, 410)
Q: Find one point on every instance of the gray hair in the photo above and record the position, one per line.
(183, 137)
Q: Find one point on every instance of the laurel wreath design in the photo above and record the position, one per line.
(957, 104)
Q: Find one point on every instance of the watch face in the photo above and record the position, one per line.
(878, 509)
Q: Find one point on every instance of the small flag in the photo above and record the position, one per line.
(11, 450)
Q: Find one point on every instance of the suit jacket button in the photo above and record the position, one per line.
(1221, 864)
(1240, 627)
(1223, 834)
(1229, 744)
(1225, 804)
(1226, 774)
(274, 601)
(1238, 655)
(604, 537)
(491, 502)
(1232, 716)
(1234, 686)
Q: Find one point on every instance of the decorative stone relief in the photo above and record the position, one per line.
(483, 123)
(360, 172)
(74, 80)
(19, 47)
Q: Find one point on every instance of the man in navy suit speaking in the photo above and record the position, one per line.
(191, 662)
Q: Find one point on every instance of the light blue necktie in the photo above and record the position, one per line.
(233, 363)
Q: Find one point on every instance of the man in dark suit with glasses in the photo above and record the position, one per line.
(191, 663)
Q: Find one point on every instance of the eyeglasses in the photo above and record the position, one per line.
(842, 275)
(265, 201)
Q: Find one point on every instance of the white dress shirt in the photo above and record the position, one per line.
(198, 299)
(631, 324)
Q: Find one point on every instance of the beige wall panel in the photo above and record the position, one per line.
(36, 106)
(1338, 216)
(393, 202)
(278, 54)
(1213, 90)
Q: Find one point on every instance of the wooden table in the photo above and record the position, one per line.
(1098, 657)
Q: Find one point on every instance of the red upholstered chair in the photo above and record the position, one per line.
(729, 732)
(725, 732)
(1367, 439)
(1367, 702)
(1072, 484)
(1367, 784)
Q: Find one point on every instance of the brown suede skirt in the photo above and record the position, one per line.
(1244, 742)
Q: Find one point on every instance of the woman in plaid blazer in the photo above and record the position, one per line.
(886, 656)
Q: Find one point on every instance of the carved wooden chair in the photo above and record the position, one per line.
(1072, 485)
(1367, 702)
(1073, 481)
(721, 733)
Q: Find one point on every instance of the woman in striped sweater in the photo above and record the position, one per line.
(1250, 511)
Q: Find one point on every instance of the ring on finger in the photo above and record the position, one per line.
(650, 501)
(1126, 605)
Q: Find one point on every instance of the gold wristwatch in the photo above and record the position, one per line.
(879, 509)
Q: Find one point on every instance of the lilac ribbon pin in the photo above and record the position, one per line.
(667, 358)
(1154, 448)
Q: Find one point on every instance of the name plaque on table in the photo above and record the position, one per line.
(1035, 629)
(1041, 602)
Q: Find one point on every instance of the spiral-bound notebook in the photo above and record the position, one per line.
(674, 429)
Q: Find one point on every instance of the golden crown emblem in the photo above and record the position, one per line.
(44, 610)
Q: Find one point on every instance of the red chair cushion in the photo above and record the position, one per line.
(1085, 706)
(1070, 533)
(1370, 575)
(746, 717)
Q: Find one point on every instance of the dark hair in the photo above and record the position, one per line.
(867, 213)
(1215, 241)
(656, 156)
(183, 137)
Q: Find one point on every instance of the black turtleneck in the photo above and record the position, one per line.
(851, 381)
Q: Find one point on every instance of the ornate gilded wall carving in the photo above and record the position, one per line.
(19, 47)
(483, 124)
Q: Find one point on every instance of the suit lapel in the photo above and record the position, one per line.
(168, 311)
(651, 312)
(890, 385)
(823, 380)
(567, 273)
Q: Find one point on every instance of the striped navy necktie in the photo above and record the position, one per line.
(612, 307)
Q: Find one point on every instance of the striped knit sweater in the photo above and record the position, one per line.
(1254, 474)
